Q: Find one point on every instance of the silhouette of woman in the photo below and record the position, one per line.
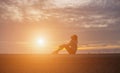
(71, 47)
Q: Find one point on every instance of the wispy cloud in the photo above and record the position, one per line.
(68, 3)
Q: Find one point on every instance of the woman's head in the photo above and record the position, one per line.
(74, 37)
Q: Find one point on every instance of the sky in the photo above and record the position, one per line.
(96, 22)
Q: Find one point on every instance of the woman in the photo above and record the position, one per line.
(71, 47)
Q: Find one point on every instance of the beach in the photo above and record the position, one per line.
(38, 63)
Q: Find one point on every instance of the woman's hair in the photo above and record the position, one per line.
(74, 37)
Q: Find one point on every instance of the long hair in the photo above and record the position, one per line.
(74, 37)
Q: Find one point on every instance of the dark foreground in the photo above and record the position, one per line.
(60, 63)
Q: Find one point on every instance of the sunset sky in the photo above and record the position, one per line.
(24, 22)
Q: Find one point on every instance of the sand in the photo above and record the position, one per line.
(36, 63)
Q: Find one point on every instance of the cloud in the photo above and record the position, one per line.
(83, 14)
(73, 11)
(67, 3)
(17, 10)
(71, 14)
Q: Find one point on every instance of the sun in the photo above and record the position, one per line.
(40, 42)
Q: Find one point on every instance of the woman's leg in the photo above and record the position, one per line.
(67, 47)
(70, 50)
(60, 48)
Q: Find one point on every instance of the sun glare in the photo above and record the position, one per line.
(41, 42)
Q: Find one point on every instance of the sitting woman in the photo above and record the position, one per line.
(71, 47)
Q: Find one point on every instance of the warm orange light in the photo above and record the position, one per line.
(41, 42)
